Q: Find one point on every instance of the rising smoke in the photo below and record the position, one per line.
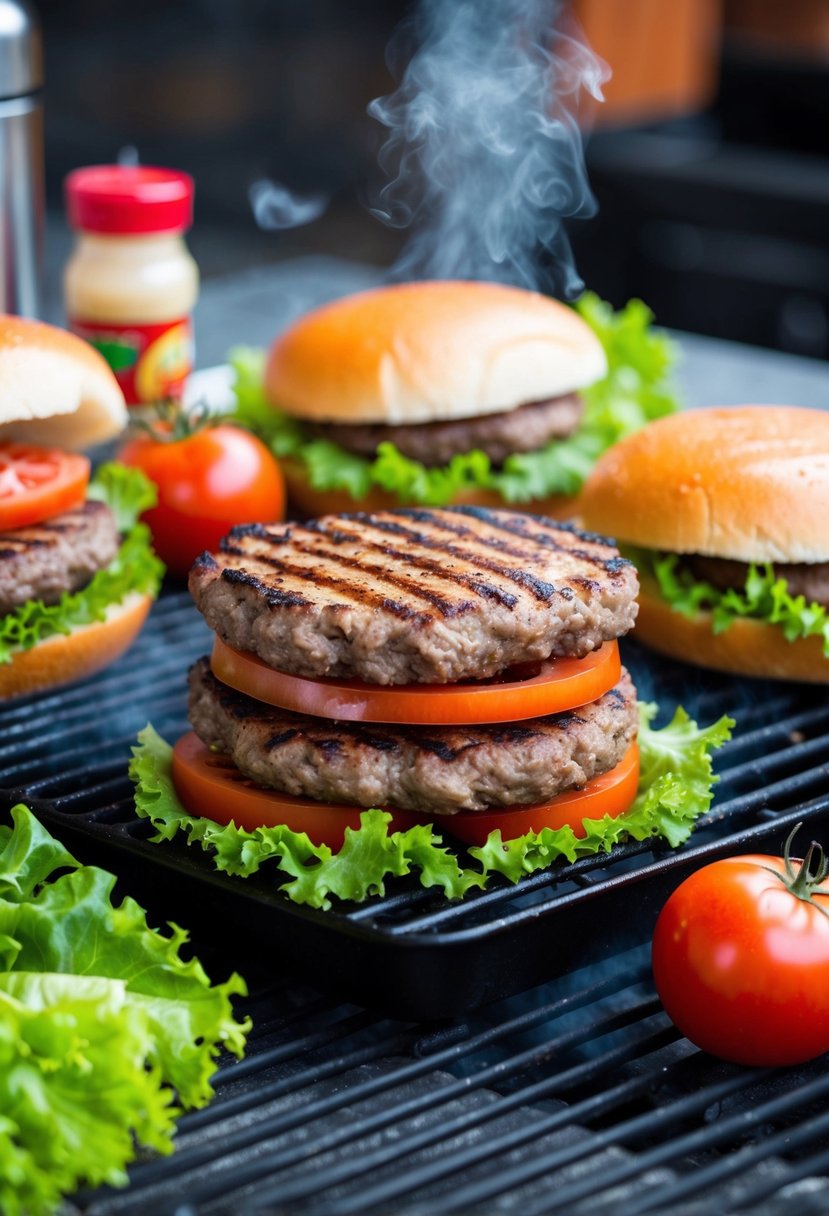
(484, 156)
(275, 207)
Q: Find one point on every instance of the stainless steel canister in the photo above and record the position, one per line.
(21, 158)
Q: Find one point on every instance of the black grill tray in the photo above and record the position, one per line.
(411, 953)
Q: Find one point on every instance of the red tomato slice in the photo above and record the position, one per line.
(37, 483)
(610, 794)
(211, 785)
(556, 685)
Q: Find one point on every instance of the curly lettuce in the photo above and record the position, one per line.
(764, 597)
(676, 787)
(106, 1032)
(135, 568)
(636, 390)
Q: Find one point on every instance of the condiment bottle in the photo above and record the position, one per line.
(131, 284)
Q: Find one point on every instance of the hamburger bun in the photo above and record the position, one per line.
(64, 658)
(430, 351)
(746, 484)
(746, 648)
(750, 483)
(55, 389)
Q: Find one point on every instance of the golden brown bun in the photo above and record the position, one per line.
(62, 659)
(305, 502)
(748, 648)
(54, 388)
(749, 483)
(431, 351)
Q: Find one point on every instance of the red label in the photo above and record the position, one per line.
(150, 362)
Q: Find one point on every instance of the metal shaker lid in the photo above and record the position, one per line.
(21, 50)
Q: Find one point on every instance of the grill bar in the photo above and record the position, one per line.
(355, 1167)
(746, 1158)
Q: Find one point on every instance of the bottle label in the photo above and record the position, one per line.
(150, 362)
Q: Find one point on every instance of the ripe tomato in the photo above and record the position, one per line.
(553, 686)
(211, 786)
(207, 481)
(37, 483)
(741, 958)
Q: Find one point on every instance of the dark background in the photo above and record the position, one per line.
(713, 207)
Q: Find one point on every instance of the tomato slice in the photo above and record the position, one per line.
(37, 483)
(210, 785)
(556, 686)
(610, 794)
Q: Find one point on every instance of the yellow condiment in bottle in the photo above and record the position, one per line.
(131, 283)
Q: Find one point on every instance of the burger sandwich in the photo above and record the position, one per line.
(440, 392)
(457, 668)
(77, 575)
(726, 514)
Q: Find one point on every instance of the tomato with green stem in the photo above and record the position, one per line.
(210, 476)
(741, 957)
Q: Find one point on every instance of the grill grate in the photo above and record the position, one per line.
(411, 952)
(560, 1101)
(577, 1096)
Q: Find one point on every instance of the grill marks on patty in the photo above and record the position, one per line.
(434, 771)
(523, 429)
(414, 595)
(42, 561)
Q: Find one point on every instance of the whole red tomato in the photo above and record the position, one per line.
(207, 481)
(741, 958)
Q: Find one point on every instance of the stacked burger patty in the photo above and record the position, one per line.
(406, 599)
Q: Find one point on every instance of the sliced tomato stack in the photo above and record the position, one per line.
(211, 785)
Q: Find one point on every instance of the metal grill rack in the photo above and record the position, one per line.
(575, 1096)
(570, 1099)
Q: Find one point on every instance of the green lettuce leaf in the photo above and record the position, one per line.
(764, 597)
(135, 568)
(104, 1027)
(675, 789)
(636, 390)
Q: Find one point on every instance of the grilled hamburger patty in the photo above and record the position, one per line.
(428, 596)
(810, 580)
(42, 561)
(523, 429)
(435, 771)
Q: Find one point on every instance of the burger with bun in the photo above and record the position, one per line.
(77, 576)
(381, 685)
(726, 514)
(443, 392)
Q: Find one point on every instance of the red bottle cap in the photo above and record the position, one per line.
(129, 199)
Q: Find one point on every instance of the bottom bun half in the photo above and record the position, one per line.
(64, 658)
(306, 502)
(746, 648)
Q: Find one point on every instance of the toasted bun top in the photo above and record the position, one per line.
(431, 351)
(54, 388)
(749, 482)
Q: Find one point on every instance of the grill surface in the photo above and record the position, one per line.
(576, 1096)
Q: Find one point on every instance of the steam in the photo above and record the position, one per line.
(484, 154)
(275, 207)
